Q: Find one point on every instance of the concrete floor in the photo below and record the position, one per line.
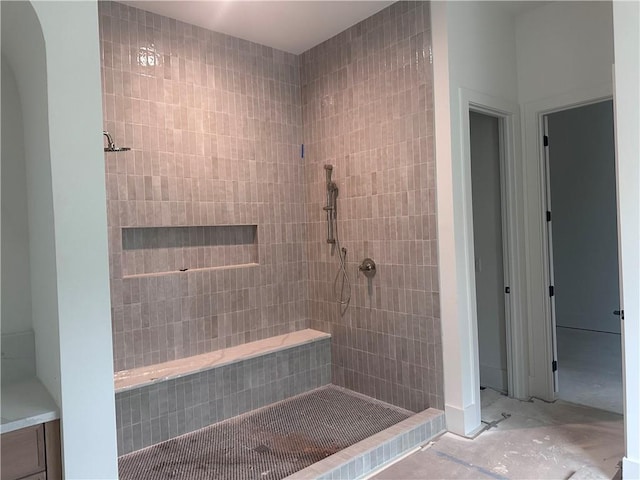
(538, 441)
(590, 368)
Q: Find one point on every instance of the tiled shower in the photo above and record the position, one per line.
(217, 236)
(215, 128)
(367, 108)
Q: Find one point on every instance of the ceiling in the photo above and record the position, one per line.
(516, 7)
(292, 26)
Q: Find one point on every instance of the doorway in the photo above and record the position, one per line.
(583, 255)
(487, 190)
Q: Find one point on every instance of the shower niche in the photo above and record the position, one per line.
(157, 250)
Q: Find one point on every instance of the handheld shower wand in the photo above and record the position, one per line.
(330, 208)
(344, 296)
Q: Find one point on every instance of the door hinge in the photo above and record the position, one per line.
(545, 140)
(302, 150)
(507, 289)
(554, 366)
(551, 291)
(548, 216)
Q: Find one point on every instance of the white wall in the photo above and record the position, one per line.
(17, 339)
(16, 287)
(70, 254)
(75, 123)
(474, 50)
(563, 47)
(24, 50)
(556, 54)
(626, 18)
(565, 53)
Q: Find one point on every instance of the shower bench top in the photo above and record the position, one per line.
(138, 377)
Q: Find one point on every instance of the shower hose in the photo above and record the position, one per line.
(341, 297)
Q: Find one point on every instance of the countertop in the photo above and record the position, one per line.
(26, 403)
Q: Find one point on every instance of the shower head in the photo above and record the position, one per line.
(116, 149)
(111, 147)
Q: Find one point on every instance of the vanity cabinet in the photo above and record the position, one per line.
(32, 453)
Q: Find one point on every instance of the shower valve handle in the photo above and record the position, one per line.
(368, 267)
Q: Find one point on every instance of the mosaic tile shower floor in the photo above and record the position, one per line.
(269, 443)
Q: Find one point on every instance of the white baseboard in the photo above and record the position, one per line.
(464, 422)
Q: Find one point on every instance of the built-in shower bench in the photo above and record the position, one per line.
(159, 402)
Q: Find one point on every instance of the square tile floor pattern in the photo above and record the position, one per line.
(270, 443)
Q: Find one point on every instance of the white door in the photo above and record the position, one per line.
(584, 254)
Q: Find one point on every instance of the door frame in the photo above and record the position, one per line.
(507, 114)
(544, 118)
(504, 233)
(542, 333)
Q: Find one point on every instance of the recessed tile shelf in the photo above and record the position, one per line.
(157, 250)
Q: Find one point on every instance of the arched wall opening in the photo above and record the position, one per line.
(53, 50)
(18, 349)
(23, 50)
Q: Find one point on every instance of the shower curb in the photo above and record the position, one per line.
(369, 455)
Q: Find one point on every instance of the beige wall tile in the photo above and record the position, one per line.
(183, 137)
(368, 110)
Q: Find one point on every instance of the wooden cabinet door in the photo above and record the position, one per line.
(36, 476)
(22, 452)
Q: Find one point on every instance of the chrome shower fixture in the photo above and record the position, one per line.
(330, 208)
(328, 169)
(343, 297)
(111, 147)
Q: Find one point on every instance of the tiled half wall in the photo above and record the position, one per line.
(153, 413)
